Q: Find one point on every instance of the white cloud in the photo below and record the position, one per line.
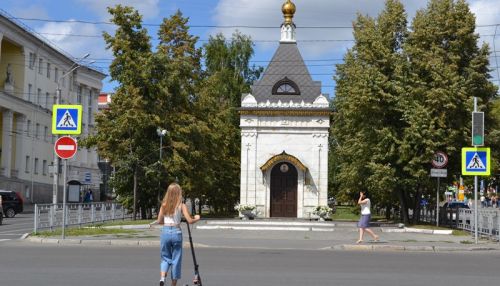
(60, 35)
(309, 13)
(31, 11)
(488, 13)
(147, 8)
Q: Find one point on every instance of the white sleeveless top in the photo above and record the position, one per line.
(175, 219)
(365, 208)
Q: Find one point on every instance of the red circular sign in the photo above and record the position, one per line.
(439, 160)
(65, 147)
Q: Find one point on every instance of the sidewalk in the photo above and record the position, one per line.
(289, 234)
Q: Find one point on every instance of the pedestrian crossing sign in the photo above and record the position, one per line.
(476, 161)
(67, 119)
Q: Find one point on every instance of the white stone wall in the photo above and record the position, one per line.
(304, 137)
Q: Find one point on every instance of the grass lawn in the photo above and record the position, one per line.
(85, 232)
(345, 213)
(125, 222)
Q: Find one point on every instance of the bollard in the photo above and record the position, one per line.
(35, 219)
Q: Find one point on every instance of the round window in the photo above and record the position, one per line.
(284, 168)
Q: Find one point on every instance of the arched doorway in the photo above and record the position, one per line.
(284, 190)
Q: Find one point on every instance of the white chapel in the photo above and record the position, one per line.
(284, 135)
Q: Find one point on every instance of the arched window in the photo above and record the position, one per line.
(286, 87)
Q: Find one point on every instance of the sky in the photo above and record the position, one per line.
(320, 48)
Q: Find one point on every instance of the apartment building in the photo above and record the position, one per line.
(31, 71)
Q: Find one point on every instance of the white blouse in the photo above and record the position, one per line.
(174, 219)
(365, 208)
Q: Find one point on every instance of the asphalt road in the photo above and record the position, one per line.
(24, 264)
(14, 228)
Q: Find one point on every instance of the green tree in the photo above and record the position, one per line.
(124, 131)
(448, 69)
(401, 96)
(228, 76)
(366, 120)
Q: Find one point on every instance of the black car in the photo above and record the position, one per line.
(454, 205)
(12, 203)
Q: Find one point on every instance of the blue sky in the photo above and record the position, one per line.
(321, 48)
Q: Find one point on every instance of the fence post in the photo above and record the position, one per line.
(80, 215)
(35, 219)
(51, 216)
(113, 211)
(103, 209)
(92, 207)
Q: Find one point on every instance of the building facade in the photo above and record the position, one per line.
(285, 124)
(31, 71)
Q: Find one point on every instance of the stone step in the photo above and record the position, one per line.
(264, 227)
(280, 223)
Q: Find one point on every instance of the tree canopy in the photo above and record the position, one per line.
(404, 93)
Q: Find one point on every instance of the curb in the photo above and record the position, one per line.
(340, 247)
(418, 230)
(413, 248)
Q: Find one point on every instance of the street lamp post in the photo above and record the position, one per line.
(58, 101)
(161, 133)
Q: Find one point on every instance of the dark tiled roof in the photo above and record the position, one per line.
(286, 62)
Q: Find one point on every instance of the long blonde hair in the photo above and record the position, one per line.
(172, 199)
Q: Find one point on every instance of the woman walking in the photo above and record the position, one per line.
(364, 221)
(170, 214)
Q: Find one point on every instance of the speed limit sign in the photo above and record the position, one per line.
(439, 160)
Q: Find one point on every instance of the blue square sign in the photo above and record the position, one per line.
(67, 119)
(476, 161)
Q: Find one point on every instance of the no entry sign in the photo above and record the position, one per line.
(65, 147)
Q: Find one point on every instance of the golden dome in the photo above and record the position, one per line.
(288, 10)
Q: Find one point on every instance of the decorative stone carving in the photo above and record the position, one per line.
(321, 101)
(249, 101)
(9, 80)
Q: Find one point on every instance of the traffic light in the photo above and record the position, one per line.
(477, 128)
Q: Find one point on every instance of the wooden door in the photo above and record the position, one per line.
(284, 190)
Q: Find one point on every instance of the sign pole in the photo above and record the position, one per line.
(64, 197)
(437, 204)
(475, 188)
(475, 209)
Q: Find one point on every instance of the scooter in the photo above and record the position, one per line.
(197, 277)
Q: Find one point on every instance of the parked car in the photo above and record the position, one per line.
(455, 205)
(12, 203)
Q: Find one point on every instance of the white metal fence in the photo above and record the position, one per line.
(488, 220)
(50, 216)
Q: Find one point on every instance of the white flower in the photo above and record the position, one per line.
(323, 211)
(241, 207)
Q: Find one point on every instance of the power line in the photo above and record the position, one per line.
(207, 40)
(198, 26)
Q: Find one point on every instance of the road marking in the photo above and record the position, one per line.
(4, 240)
(9, 234)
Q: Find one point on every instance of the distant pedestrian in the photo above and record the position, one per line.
(86, 197)
(171, 210)
(364, 221)
(91, 196)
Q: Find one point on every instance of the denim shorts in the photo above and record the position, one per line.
(171, 251)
